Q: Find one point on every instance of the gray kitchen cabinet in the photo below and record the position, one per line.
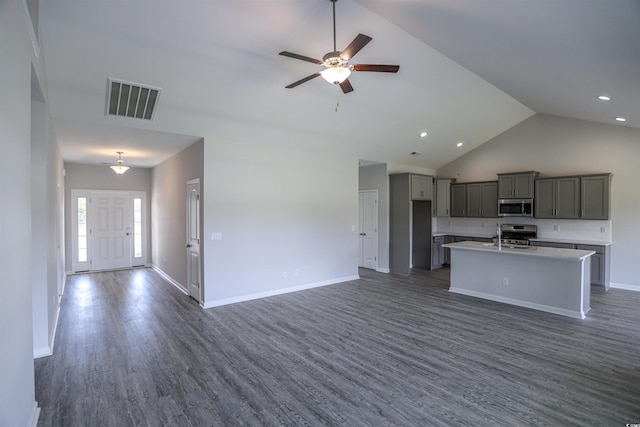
(600, 261)
(443, 196)
(458, 199)
(410, 226)
(482, 199)
(421, 187)
(447, 251)
(516, 185)
(595, 199)
(437, 252)
(557, 198)
(600, 264)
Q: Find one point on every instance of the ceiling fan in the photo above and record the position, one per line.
(337, 67)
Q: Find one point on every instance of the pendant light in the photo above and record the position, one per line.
(119, 168)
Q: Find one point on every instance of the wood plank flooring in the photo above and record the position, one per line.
(383, 350)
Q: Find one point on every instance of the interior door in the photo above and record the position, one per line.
(110, 230)
(193, 239)
(368, 241)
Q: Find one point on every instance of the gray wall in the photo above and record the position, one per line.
(556, 146)
(288, 219)
(168, 210)
(17, 391)
(376, 177)
(101, 177)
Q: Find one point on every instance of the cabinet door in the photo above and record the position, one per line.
(597, 263)
(443, 193)
(506, 186)
(421, 187)
(567, 198)
(544, 202)
(474, 200)
(458, 199)
(523, 186)
(595, 197)
(490, 199)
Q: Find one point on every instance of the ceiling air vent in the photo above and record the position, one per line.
(127, 99)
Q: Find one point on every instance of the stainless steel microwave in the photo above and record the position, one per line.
(515, 207)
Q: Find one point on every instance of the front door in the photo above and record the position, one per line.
(368, 213)
(110, 230)
(193, 239)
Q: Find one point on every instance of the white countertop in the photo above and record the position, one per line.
(455, 233)
(534, 251)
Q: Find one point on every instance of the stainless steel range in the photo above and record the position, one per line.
(515, 234)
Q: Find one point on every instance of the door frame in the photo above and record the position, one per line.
(76, 265)
(198, 294)
(360, 228)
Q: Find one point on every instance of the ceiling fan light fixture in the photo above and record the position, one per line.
(119, 168)
(335, 75)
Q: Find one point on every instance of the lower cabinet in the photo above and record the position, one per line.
(437, 252)
(600, 261)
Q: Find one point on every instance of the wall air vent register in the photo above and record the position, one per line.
(128, 99)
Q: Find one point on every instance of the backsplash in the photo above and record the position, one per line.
(547, 228)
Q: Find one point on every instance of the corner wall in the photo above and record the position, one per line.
(17, 389)
(556, 146)
(169, 211)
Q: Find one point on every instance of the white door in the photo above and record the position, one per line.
(110, 230)
(368, 213)
(193, 239)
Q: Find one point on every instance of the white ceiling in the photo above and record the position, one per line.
(469, 70)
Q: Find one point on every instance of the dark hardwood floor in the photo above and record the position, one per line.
(383, 350)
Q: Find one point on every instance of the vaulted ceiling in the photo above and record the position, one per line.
(469, 70)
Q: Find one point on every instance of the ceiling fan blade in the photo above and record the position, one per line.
(354, 47)
(346, 86)
(301, 57)
(306, 79)
(378, 68)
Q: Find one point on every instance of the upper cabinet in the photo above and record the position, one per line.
(482, 199)
(443, 196)
(421, 187)
(458, 199)
(557, 198)
(594, 196)
(516, 185)
(573, 197)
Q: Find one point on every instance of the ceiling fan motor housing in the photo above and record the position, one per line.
(333, 59)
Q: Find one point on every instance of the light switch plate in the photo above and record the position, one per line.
(216, 235)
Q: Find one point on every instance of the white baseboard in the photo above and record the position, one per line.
(169, 279)
(48, 351)
(42, 352)
(527, 304)
(243, 298)
(383, 270)
(625, 286)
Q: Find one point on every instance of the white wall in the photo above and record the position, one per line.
(17, 391)
(169, 213)
(556, 146)
(101, 177)
(288, 219)
(376, 177)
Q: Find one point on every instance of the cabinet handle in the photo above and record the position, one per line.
(582, 212)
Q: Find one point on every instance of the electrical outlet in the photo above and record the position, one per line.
(505, 281)
(484, 225)
(556, 228)
(603, 229)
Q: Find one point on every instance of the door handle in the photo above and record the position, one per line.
(363, 234)
(128, 234)
(189, 245)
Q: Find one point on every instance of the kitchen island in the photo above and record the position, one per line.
(548, 279)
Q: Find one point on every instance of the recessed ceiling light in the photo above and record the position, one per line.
(460, 144)
(621, 119)
(423, 134)
(604, 98)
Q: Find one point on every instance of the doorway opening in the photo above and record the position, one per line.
(109, 229)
